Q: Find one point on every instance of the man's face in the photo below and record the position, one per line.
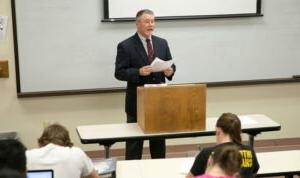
(145, 25)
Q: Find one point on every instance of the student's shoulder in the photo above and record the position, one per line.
(31, 152)
(211, 148)
(207, 150)
(245, 147)
(76, 149)
(227, 143)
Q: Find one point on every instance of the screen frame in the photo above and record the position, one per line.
(41, 171)
(106, 17)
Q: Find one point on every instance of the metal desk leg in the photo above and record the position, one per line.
(107, 147)
(251, 140)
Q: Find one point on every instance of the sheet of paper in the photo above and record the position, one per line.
(104, 166)
(159, 65)
(156, 85)
(186, 166)
(3, 24)
(245, 120)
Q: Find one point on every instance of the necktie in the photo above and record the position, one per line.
(150, 50)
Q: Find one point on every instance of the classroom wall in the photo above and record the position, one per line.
(235, 48)
(28, 116)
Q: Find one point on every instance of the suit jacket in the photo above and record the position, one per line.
(131, 56)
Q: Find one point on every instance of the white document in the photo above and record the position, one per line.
(159, 65)
(156, 85)
(3, 24)
(186, 166)
(104, 166)
(245, 120)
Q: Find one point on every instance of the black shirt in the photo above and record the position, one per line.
(249, 165)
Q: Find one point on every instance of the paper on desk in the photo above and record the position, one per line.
(159, 65)
(245, 120)
(186, 166)
(104, 166)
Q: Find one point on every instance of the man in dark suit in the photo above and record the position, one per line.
(133, 60)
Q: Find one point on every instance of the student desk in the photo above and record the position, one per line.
(278, 163)
(108, 134)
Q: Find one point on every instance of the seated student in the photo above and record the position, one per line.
(225, 162)
(11, 173)
(228, 132)
(58, 153)
(12, 155)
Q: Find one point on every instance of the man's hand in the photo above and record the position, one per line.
(168, 72)
(145, 71)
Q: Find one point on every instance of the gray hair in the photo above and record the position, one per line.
(143, 11)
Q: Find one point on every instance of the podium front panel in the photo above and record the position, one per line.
(172, 108)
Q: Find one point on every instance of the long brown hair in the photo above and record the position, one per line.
(228, 158)
(56, 134)
(231, 125)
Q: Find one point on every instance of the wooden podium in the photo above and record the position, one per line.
(172, 108)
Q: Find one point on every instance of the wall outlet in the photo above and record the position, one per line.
(4, 72)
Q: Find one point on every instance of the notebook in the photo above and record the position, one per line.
(46, 173)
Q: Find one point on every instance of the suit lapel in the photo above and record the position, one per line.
(155, 46)
(140, 49)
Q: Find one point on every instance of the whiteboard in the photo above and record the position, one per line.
(62, 45)
(178, 8)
